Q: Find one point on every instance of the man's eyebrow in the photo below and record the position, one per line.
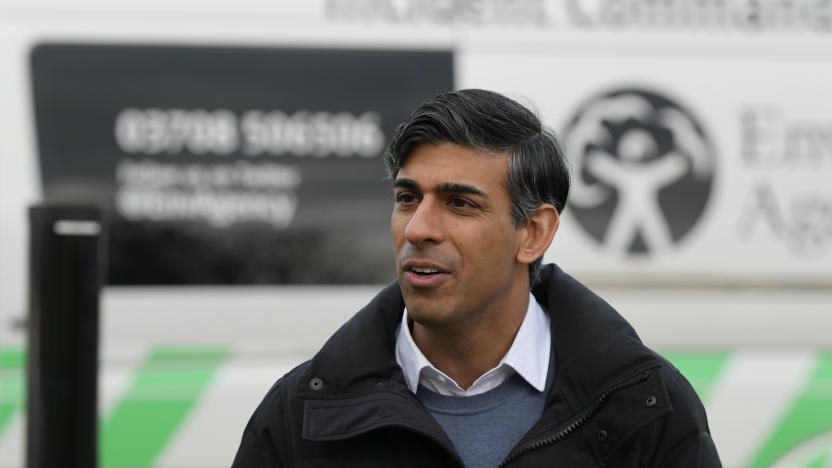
(447, 187)
(453, 187)
(404, 182)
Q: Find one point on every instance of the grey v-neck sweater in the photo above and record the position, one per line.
(485, 427)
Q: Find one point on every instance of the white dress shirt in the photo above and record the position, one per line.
(528, 356)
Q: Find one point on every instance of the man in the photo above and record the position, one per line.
(478, 356)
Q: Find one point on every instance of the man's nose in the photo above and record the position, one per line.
(426, 224)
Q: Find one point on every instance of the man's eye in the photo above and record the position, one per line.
(405, 198)
(460, 203)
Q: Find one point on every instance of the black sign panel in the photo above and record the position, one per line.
(231, 165)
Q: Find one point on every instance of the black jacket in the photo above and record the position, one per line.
(613, 402)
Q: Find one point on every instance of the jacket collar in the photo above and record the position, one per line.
(592, 343)
(593, 346)
(358, 357)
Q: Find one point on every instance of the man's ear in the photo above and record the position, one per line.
(538, 233)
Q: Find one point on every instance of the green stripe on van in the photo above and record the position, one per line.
(821, 461)
(12, 384)
(164, 391)
(701, 368)
(809, 416)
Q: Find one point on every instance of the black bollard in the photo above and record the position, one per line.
(65, 278)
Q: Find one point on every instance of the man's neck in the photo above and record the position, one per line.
(468, 350)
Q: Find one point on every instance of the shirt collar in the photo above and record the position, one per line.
(528, 356)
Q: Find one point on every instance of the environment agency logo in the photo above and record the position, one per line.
(643, 169)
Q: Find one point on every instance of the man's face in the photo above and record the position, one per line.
(453, 234)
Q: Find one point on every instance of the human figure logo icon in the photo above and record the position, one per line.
(643, 170)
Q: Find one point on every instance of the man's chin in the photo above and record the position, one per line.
(425, 307)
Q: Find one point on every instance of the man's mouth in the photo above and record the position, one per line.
(422, 271)
(423, 276)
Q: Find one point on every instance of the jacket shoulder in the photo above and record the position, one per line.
(685, 435)
(266, 440)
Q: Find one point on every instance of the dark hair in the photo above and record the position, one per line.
(490, 122)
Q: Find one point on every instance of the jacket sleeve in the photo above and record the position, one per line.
(257, 447)
(686, 439)
(251, 454)
(698, 451)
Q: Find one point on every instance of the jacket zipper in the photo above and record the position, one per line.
(578, 422)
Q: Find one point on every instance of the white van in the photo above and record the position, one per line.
(235, 151)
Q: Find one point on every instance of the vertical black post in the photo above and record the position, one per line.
(65, 277)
